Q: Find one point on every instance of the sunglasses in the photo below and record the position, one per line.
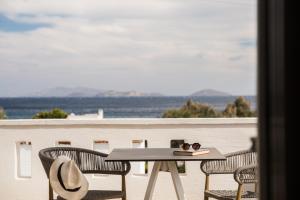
(195, 146)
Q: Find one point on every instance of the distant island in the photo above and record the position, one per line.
(90, 92)
(210, 92)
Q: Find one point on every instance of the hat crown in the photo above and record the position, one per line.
(67, 180)
(71, 175)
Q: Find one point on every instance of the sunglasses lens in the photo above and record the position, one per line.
(185, 146)
(196, 146)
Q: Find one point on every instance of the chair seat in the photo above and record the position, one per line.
(229, 194)
(100, 195)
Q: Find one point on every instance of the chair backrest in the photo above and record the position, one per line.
(233, 161)
(241, 158)
(87, 160)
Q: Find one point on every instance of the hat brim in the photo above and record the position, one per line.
(56, 186)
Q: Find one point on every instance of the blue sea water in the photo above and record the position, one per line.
(113, 107)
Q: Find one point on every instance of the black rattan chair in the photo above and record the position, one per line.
(243, 166)
(89, 162)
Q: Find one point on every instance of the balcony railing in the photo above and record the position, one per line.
(22, 175)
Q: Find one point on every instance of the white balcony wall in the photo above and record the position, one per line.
(225, 134)
(138, 168)
(101, 146)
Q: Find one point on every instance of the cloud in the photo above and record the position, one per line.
(143, 45)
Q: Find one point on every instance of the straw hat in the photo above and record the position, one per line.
(67, 180)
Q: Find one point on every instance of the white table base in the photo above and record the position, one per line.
(167, 166)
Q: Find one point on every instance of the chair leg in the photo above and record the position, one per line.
(206, 186)
(50, 192)
(123, 187)
(239, 192)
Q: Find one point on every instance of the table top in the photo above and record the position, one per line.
(159, 154)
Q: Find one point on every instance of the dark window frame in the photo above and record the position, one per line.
(277, 101)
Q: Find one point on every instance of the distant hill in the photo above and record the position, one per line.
(113, 93)
(91, 92)
(88, 92)
(66, 92)
(210, 92)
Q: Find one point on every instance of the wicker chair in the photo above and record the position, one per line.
(89, 162)
(243, 166)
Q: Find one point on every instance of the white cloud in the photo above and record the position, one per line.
(132, 44)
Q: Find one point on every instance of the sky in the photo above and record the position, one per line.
(173, 47)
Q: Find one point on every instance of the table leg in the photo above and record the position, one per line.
(176, 180)
(152, 180)
(165, 166)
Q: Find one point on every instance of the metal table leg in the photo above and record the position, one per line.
(169, 166)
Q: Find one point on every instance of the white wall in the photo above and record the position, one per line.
(225, 134)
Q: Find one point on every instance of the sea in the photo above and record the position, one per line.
(113, 107)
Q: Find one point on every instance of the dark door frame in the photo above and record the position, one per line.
(277, 97)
